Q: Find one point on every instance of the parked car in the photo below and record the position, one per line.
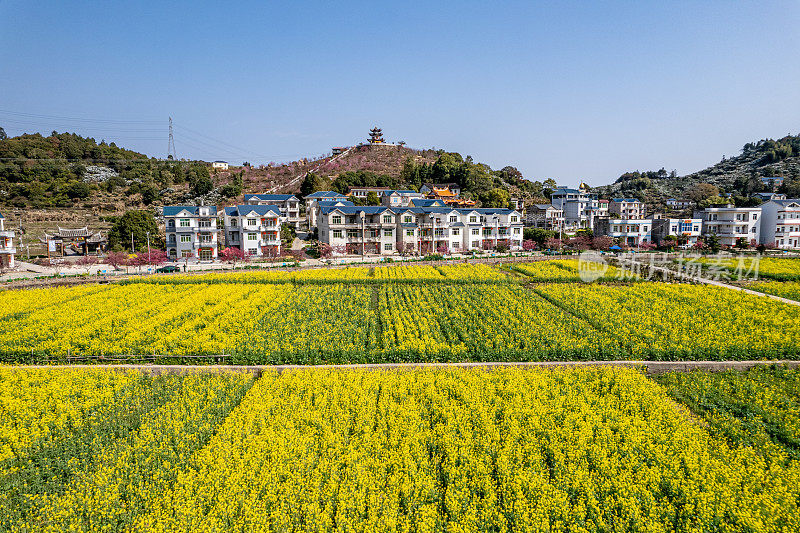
(168, 268)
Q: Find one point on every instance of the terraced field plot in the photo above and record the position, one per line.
(457, 312)
(419, 450)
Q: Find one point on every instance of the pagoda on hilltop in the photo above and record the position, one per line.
(376, 136)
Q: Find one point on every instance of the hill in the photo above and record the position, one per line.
(738, 176)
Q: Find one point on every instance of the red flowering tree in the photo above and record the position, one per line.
(528, 245)
(232, 255)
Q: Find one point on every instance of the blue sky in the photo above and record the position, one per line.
(569, 90)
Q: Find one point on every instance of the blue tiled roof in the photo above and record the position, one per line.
(268, 197)
(241, 210)
(618, 200)
(172, 210)
(327, 203)
(354, 209)
(424, 202)
(326, 194)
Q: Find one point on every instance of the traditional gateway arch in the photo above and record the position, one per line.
(80, 241)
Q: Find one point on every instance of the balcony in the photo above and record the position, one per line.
(8, 249)
(7, 233)
(207, 229)
(183, 229)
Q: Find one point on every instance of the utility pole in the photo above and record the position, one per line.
(148, 247)
(133, 250)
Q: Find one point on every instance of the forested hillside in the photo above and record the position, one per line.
(65, 168)
(738, 176)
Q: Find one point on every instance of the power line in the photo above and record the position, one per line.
(76, 119)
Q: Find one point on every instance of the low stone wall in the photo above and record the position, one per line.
(649, 367)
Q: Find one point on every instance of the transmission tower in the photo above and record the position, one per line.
(171, 143)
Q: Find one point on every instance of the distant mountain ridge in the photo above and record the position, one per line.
(738, 176)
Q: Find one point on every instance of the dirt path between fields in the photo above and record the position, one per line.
(649, 367)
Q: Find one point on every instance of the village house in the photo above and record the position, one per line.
(254, 229)
(219, 165)
(383, 230)
(731, 223)
(314, 198)
(288, 204)
(578, 206)
(399, 198)
(7, 248)
(545, 216)
(629, 232)
(780, 223)
(627, 208)
(191, 232)
(685, 230)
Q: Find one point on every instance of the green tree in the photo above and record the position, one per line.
(311, 184)
(538, 235)
(137, 223)
(78, 190)
(372, 198)
(202, 186)
(496, 198)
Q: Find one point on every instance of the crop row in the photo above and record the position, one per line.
(420, 450)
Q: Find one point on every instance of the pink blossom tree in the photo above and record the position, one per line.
(232, 255)
(529, 245)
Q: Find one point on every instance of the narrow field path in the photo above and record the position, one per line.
(716, 283)
(650, 367)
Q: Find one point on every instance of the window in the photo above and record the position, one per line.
(387, 246)
(205, 238)
(516, 231)
(252, 236)
(409, 233)
(755, 216)
(456, 245)
(407, 220)
(171, 223)
(186, 253)
(336, 219)
(186, 238)
(473, 219)
(251, 222)
(388, 233)
(476, 231)
(475, 244)
(456, 232)
(233, 222)
(185, 223)
(352, 233)
(336, 234)
(253, 251)
(205, 223)
(387, 219)
(453, 218)
(514, 218)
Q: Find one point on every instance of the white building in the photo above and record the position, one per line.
(780, 223)
(685, 230)
(7, 249)
(578, 206)
(312, 201)
(400, 198)
(545, 216)
(288, 204)
(626, 208)
(630, 232)
(254, 229)
(191, 232)
(674, 203)
(220, 165)
(731, 223)
(383, 230)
